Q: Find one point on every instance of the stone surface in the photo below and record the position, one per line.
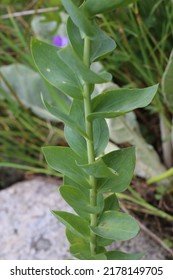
(28, 230)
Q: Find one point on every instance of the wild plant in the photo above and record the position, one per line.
(91, 178)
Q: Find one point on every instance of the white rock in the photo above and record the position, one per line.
(28, 230)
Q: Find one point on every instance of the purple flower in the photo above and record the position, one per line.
(60, 41)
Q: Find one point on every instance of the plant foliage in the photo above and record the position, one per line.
(91, 179)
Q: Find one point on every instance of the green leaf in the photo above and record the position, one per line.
(118, 255)
(72, 237)
(69, 182)
(80, 249)
(76, 141)
(123, 162)
(57, 112)
(79, 18)
(117, 102)
(82, 252)
(115, 225)
(80, 69)
(167, 83)
(54, 70)
(74, 223)
(111, 203)
(100, 45)
(75, 38)
(77, 199)
(101, 136)
(103, 241)
(93, 7)
(63, 159)
(98, 169)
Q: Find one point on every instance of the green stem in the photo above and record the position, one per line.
(90, 146)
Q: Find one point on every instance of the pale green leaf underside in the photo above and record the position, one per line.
(115, 225)
(114, 103)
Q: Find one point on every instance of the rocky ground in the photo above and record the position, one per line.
(28, 230)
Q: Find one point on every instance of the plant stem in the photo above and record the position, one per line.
(90, 146)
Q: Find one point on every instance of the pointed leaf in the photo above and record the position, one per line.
(75, 38)
(123, 162)
(80, 69)
(98, 169)
(111, 203)
(94, 7)
(72, 237)
(68, 181)
(54, 70)
(78, 143)
(100, 45)
(101, 136)
(115, 225)
(74, 223)
(82, 252)
(117, 255)
(79, 18)
(56, 111)
(77, 199)
(63, 159)
(116, 102)
(80, 249)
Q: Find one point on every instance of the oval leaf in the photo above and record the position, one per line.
(115, 225)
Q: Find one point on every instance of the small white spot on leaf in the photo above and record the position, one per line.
(48, 70)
